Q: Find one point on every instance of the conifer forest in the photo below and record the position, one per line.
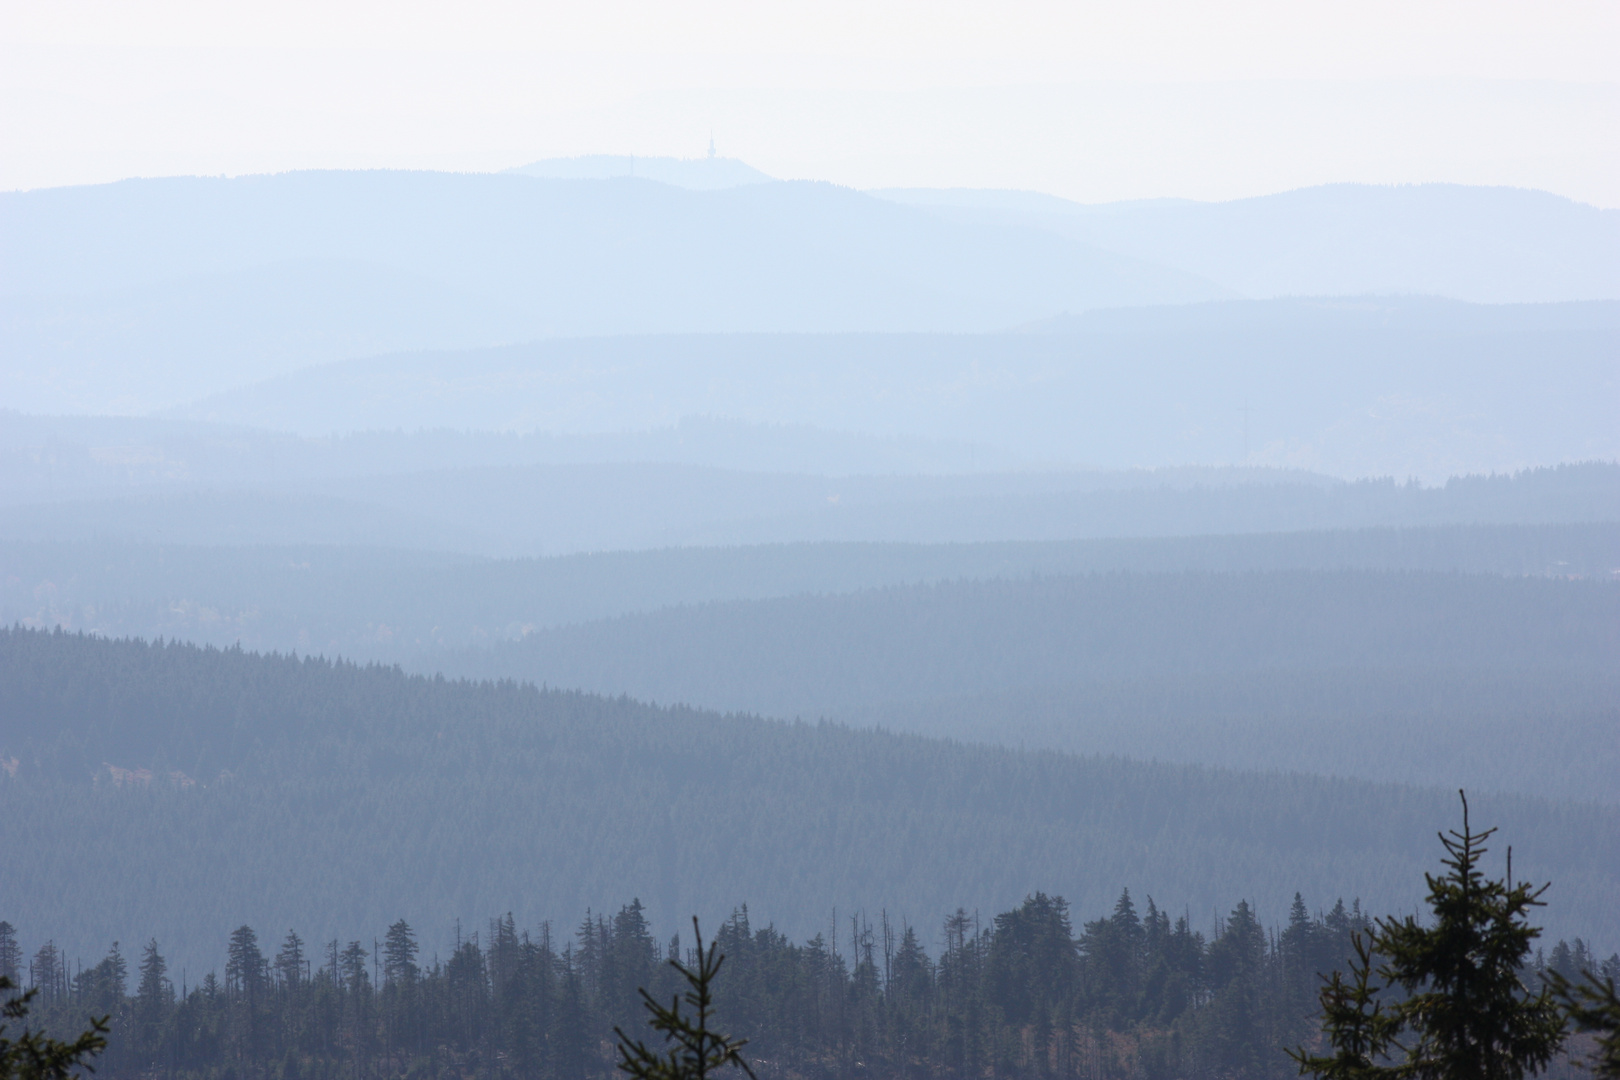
(1136, 992)
(824, 540)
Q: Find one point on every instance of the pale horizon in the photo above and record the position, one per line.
(1163, 101)
(880, 189)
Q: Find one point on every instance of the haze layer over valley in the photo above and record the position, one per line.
(982, 543)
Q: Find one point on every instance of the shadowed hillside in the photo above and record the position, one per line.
(175, 791)
(1502, 683)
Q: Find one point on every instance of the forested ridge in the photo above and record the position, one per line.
(1458, 648)
(387, 604)
(1288, 669)
(950, 637)
(489, 579)
(1133, 993)
(177, 791)
(558, 509)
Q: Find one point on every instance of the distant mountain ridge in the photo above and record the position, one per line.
(1351, 386)
(1484, 244)
(1333, 314)
(144, 294)
(147, 293)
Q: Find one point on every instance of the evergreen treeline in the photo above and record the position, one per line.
(1137, 993)
(553, 510)
(197, 789)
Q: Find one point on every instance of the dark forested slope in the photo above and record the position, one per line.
(170, 790)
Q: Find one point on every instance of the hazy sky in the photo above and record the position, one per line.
(1091, 101)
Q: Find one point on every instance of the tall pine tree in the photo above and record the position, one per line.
(1444, 1001)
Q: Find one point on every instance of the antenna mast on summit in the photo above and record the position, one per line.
(711, 144)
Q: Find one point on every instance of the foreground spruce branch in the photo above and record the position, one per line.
(697, 1050)
(33, 1056)
(1593, 1005)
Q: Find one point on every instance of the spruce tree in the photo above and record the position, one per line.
(1443, 1001)
(290, 961)
(399, 954)
(353, 967)
(244, 963)
(154, 989)
(11, 954)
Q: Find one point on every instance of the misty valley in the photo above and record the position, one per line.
(1034, 639)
